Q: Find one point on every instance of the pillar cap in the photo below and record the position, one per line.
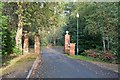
(67, 32)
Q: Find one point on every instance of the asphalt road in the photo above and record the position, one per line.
(57, 65)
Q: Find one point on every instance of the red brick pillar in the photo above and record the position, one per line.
(67, 43)
(72, 49)
(37, 43)
(25, 45)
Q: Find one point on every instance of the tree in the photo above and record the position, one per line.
(6, 32)
(20, 27)
(98, 21)
(103, 19)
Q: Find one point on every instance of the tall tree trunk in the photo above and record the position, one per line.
(108, 44)
(20, 27)
(54, 41)
(104, 46)
(54, 37)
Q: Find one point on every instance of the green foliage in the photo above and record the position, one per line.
(43, 18)
(96, 21)
(16, 51)
(7, 36)
(85, 58)
(4, 35)
(7, 40)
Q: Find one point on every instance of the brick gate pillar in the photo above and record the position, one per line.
(72, 49)
(37, 43)
(25, 45)
(67, 43)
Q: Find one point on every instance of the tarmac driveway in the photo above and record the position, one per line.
(57, 65)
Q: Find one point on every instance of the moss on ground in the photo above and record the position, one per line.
(20, 64)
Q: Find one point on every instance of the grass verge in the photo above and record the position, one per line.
(21, 63)
(85, 58)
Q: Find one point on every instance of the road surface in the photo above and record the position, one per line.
(57, 65)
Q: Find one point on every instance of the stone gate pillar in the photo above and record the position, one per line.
(37, 43)
(67, 43)
(72, 49)
(25, 45)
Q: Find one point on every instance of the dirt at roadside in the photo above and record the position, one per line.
(21, 68)
(109, 66)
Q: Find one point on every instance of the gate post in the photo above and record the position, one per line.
(67, 43)
(37, 43)
(72, 49)
(25, 45)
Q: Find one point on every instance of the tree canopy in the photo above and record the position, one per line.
(98, 23)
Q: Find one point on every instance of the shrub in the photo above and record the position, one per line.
(94, 55)
(108, 56)
(17, 51)
(91, 53)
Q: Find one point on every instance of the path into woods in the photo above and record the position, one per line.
(56, 65)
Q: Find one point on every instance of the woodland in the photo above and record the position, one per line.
(97, 22)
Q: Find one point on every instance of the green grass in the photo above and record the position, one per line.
(85, 58)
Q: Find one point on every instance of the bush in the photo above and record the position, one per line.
(8, 41)
(92, 53)
(17, 51)
(108, 57)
